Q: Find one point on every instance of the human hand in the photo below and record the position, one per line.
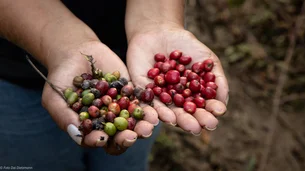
(164, 39)
(63, 66)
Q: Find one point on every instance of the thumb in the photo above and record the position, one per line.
(60, 112)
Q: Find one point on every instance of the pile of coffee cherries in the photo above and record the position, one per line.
(175, 82)
(104, 102)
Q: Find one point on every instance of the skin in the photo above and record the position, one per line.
(158, 28)
(55, 37)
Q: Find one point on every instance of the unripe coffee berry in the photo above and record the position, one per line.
(124, 113)
(138, 113)
(110, 128)
(83, 116)
(88, 99)
(120, 123)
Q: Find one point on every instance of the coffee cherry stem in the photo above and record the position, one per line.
(55, 88)
(95, 71)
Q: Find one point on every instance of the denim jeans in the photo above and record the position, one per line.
(30, 138)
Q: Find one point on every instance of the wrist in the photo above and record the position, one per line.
(151, 27)
(144, 16)
(61, 40)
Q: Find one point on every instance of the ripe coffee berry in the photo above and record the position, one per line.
(175, 55)
(166, 66)
(112, 92)
(199, 101)
(172, 77)
(189, 107)
(152, 73)
(150, 85)
(159, 57)
(158, 65)
(157, 90)
(186, 93)
(192, 76)
(195, 86)
(188, 86)
(185, 60)
(197, 67)
(147, 95)
(213, 85)
(178, 100)
(180, 68)
(209, 93)
(165, 98)
(208, 65)
(159, 81)
(209, 77)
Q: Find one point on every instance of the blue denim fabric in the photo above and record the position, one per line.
(29, 137)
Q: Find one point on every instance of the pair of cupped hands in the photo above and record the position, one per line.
(140, 58)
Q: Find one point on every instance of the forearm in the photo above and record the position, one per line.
(42, 28)
(142, 15)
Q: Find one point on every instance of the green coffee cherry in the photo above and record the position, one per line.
(85, 92)
(110, 128)
(118, 96)
(138, 113)
(72, 98)
(120, 123)
(104, 108)
(88, 99)
(124, 113)
(67, 92)
(83, 116)
(109, 77)
(116, 74)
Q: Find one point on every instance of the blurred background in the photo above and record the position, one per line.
(261, 46)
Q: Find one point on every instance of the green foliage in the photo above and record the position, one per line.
(235, 3)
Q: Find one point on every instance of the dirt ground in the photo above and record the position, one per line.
(264, 127)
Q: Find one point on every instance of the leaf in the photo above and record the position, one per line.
(235, 3)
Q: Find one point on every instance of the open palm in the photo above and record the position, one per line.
(61, 74)
(140, 58)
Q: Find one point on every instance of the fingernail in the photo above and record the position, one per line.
(146, 136)
(128, 143)
(227, 100)
(172, 124)
(75, 134)
(210, 129)
(196, 134)
(157, 123)
(101, 141)
(219, 111)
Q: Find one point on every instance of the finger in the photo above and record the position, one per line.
(206, 119)
(165, 114)
(113, 148)
(125, 138)
(120, 143)
(151, 115)
(96, 139)
(65, 118)
(221, 81)
(144, 129)
(186, 121)
(216, 107)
